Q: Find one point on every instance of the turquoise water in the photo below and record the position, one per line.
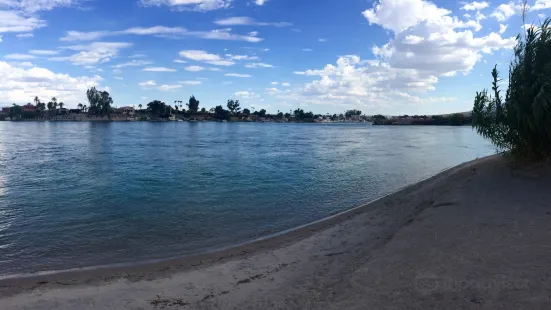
(86, 194)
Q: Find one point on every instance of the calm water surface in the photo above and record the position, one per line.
(86, 194)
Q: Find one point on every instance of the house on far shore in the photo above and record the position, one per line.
(75, 111)
(29, 108)
(127, 111)
(5, 110)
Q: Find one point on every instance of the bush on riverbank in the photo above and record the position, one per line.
(521, 124)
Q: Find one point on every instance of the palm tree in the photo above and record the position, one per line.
(80, 105)
(61, 104)
(140, 106)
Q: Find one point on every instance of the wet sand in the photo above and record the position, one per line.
(475, 236)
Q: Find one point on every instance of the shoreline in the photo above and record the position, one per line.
(473, 236)
(153, 269)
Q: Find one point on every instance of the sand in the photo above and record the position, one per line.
(477, 236)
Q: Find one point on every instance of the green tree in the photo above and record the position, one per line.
(299, 114)
(100, 102)
(193, 104)
(520, 123)
(457, 119)
(16, 111)
(350, 113)
(40, 106)
(220, 113)
(157, 108)
(233, 106)
(246, 111)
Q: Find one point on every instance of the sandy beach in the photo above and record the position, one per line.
(473, 237)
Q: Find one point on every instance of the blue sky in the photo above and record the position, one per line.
(327, 56)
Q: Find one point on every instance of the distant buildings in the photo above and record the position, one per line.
(130, 111)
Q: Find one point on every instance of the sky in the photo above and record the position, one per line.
(326, 56)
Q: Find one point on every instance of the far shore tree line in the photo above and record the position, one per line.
(100, 104)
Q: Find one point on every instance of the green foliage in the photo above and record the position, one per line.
(193, 104)
(221, 113)
(521, 124)
(260, 113)
(457, 119)
(246, 111)
(379, 117)
(100, 102)
(233, 106)
(350, 113)
(158, 108)
(16, 111)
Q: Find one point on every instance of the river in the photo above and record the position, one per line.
(87, 194)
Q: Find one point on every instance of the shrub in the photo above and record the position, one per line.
(521, 124)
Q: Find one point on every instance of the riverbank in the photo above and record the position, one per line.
(475, 236)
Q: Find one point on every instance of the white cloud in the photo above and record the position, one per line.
(44, 52)
(24, 35)
(307, 50)
(475, 6)
(25, 64)
(137, 56)
(215, 69)
(258, 65)
(225, 34)
(245, 94)
(194, 68)
(148, 84)
(322, 40)
(165, 87)
(275, 83)
(411, 39)
(272, 91)
(133, 63)
(19, 56)
(260, 2)
(242, 57)
(33, 6)
(541, 5)
(504, 11)
(118, 78)
(12, 21)
(163, 32)
(426, 43)
(248, 21)
(285, 84)
(93, 53)
(185, 5)
(179, 61)
(199, 55)
(502, 28)
(238, 75)
(158, 69)
(190, 82)
(398, 15)
(253, 33)
(24, 84)
(202, 56)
